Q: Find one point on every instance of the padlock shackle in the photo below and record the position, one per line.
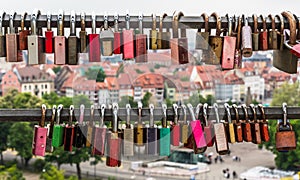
(227, 110)
(254, 17)
(239, 30)
(1, 20)
(197, 110)
(204, 111)
(116, 22)
(105, 23)
(11, 22)
(60, 23)
(161, 22)
(140, 106)
(91, 121)
(53, 114)
(175, 109)
(23, 21)
(71, 115)
(229, 26)
(153, 21)
(140, 23)
(128, 108)
(183, 107)
(245, 20)
(48, 21)
(82, 21)
(218, 22)
(252, 108)
(216, 112)
(280, 18)
(191, 110)
(93, 23)
(102, 109)
(164, 119)
(115, 108)
(246, 116)
(81, 116)
(205, 19)
(175, 25)
(182, 31)
(127, 19)
(292, 23)
(151, 122)
(235, 108)
(42, 121)
(59, 109)
(263, 19)
(262, 111)
(284, 110)
(273, 25)
(72, 24)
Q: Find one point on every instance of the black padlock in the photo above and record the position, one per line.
(69, 132)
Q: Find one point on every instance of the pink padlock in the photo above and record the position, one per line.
(199, 141)
(40, 136)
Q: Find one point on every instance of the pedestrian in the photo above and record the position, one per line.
(234, 158)
(234, 175)
(224, 171)
(216, 160)
(221, 160)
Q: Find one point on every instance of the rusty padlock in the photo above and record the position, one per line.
(23, 33)
(216, 43)
(263, 124)
(255, 128)
(255, 34)
(263, 35)
(175, 128)
(11, 41)
(272, 34)
(246, 127)
(228, 52)
(237, 125)
(202, 38)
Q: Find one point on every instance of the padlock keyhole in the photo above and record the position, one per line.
(32, 44)
(60, 44)
(41, 137)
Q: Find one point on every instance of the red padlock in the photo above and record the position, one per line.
(128, 40)
(228, 52)
(40, 135)
(69, 132)
(117, 35)
(208, 128)
(141, 44)
(49, 36)
(100, 135)
(175, 128)
(94, 42)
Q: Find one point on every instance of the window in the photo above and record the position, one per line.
(25, 88)
(42, 86)
(29, 87)
(46, 86)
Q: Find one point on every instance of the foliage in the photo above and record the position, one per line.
(127, 100)
(146, 99)
(11, 173)
(4, 131)
(53, 99)
(56, 69)
(168, 102)
(285, 160)
(185, 79)
(139, 71)
(81, 99)
(152, 70)
(95, 74)
(38, 165)
(51, 172)
(59, 156)
(20, 138)
(210, 100)
(196, 98)
(26, 100)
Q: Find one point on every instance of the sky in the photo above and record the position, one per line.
(188, 7)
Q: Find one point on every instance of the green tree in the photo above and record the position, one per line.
(210, 100)
(81, 99)
(95, 74)
(4, 131)
(51, 172)
(290, 160)
(26, 100)
(168, 102)
(50, 99)
(56, 69)
(11, 173)
(127, 100)
(146, 99)
(20, 138)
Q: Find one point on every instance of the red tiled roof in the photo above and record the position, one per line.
(112, 83)
(150, 81)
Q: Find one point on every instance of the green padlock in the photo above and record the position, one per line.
(58, 130)
(164, 135)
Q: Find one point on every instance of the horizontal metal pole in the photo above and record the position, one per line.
(186, 22)
(14, 115)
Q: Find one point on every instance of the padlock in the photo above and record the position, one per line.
(163, 38)
(255, 129)
(151, 132)
(72, 41)
(255, 34)
(198, 136)
(90, 128)
(141, 44)
(80, 130)
(94, 42)
(69, 132)
(48, 36)
(230, 133)
(60, 41)
(228, 52)
(128, 40)
(285, 138)
(23, 33)
(117, 36)
(113, 158)
(40, 136)
(153, 34)
(238, 53)
(202, 38)
(220, 132)
(296, 48)
(179, 46)
(246, 39)
(263, 35)
(49, 147)
(58, 130)
(284, 60)
(128, 135)
(184, 127)
(100, 135)
(237, 125)
(175, 128)
(208, 127)
(2, 37)
(272, 35)
(264, 127)
(164, 135)
(280, 33)
(215, 43)
(139, 128)
(106, 39)
(246, 127)
(83, 34)
(11, 41)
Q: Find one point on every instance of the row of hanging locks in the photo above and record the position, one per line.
(197, 134)
(225, 47)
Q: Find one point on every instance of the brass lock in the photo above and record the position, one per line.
(229, 125)
(237, 125)
(128, 135)
(255, 34)
(216, 44)
(202, 38)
